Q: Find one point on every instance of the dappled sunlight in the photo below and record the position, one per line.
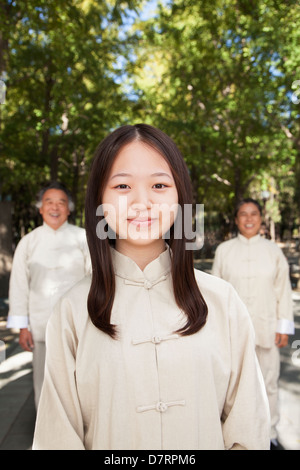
(15, 367)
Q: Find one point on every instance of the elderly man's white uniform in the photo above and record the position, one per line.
(152, 388)
(259, 271)
(46, 264)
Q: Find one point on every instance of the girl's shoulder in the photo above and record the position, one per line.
(210, 282)
(219, 294)
(72, 306)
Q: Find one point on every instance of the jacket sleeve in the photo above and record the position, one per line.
(217, 263)
(59, 423)
(19, 288)
(246, 416)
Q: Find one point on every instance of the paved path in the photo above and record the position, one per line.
(17, 412)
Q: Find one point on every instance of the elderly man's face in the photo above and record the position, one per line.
(55, 208)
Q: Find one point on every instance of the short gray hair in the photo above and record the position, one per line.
(55, 185)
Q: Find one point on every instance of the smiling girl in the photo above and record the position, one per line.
(148, 353)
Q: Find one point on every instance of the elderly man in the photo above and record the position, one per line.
(259, 271)
(47, 262)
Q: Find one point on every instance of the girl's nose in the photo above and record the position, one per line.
(141, 200)
(140, 207)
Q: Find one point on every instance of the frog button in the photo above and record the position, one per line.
(156, 339)
(147, 284)
(161, 407)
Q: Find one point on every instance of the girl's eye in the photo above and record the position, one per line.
(122, 186)
(159, 186)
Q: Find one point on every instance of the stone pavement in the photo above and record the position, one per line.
(17, 411)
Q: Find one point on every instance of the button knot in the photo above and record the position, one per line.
(156, 339)
(147, 284)
(161, 406)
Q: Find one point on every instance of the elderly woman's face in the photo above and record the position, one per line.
(248, 220)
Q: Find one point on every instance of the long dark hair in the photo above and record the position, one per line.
(102, 291)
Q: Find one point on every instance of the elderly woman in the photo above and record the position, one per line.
(258, 270)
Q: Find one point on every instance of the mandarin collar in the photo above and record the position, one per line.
(249, 241)
(59, 229)
(126, 268)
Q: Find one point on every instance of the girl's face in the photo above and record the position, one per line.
(140, 197)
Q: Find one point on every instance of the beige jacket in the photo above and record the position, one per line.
(46, 264)
(151, 388)
(259, 271)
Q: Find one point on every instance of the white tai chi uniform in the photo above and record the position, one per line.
(259, 271)
(152, 388)
(46, 264)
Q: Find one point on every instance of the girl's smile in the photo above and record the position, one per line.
(141, 222)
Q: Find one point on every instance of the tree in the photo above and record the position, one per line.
(208, 75)
(61, 61)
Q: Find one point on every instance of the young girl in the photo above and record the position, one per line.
(148, 353)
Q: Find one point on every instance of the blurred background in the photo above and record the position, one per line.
(221, 77)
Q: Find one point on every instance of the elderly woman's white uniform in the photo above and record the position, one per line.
(259, 271)
(152, 388)
(46, 264)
